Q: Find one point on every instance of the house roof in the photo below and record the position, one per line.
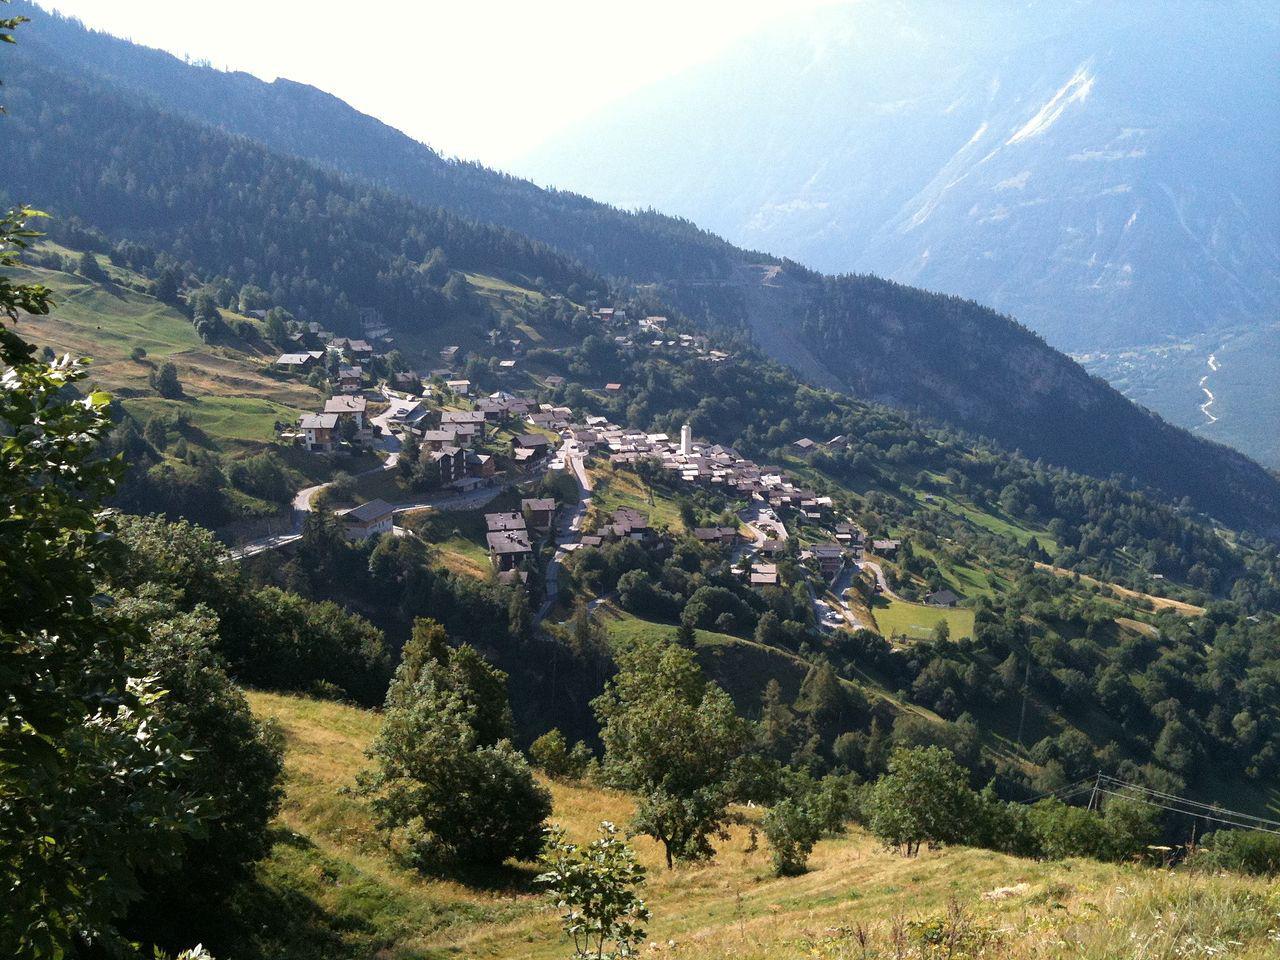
(504, 521)
(508, 541)
(461, 416)
(538, 504)
(319, 421)
(941, 598)
(531, 440)
(345, 405)
(370, 512)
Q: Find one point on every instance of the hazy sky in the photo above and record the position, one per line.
(481, 79)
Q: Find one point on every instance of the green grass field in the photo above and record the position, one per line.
(916, 621)
(231, 394)
(330, 889)
(614, 488)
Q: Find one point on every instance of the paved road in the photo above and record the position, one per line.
(883, 583)
(839, 587)
(568, 527)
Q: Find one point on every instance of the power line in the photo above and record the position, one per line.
(1260, 823)
(1190, 813)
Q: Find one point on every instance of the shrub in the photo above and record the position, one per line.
(791, 829)
(551, 754)
(922, 799)
(597, 888)
(459, 796)
(1245, 851)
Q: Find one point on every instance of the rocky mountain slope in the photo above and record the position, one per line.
(1093, 169)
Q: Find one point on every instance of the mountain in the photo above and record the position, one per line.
(229, 204)
(1093, 169)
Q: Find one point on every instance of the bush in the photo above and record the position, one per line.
(922, 799)
(1245, 851)
(164, 381)
(550, 753)
(791, 829)
(458, 796)
(597, 888)
(236, 760)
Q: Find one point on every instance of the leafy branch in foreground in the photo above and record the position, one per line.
(597, 889)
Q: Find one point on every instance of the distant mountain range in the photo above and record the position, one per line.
(1103, 172)
(238, 175)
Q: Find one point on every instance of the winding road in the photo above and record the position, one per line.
(1204, 407)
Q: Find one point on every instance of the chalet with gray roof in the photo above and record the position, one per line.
(368, 520)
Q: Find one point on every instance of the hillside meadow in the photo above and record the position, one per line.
(346, 896)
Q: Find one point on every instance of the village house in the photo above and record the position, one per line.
(317, 430)
(628, 524)
(829, 557)
(461, 387)
(480, 465)
(773, 548)
(353, 349)
(763, 575)
(299, 361)
(942, 598)
(405, 414)
(408, 382)
(529, 447)
(350, 379)
(886, 548)
(435, 439)
(724, 536)
(368, 520)
(449, 354)
(553, 381)
(508, 549)
(463, 418)
(504, 521)
(347, 408)
(452, 462)
(612, 387)
(539, 511)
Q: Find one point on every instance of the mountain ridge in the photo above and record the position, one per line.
(1090, 169)
(916, 346)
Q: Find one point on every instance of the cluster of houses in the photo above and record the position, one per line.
(652, 332)
(343, 418)
(713, 466)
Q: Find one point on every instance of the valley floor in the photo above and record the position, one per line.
(331, 889)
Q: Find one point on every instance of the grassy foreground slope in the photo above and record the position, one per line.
(330, 889)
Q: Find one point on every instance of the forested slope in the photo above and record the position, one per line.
(949, 359)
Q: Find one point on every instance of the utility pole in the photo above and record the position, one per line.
(1093, 794)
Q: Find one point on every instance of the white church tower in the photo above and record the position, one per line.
(686, 440)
